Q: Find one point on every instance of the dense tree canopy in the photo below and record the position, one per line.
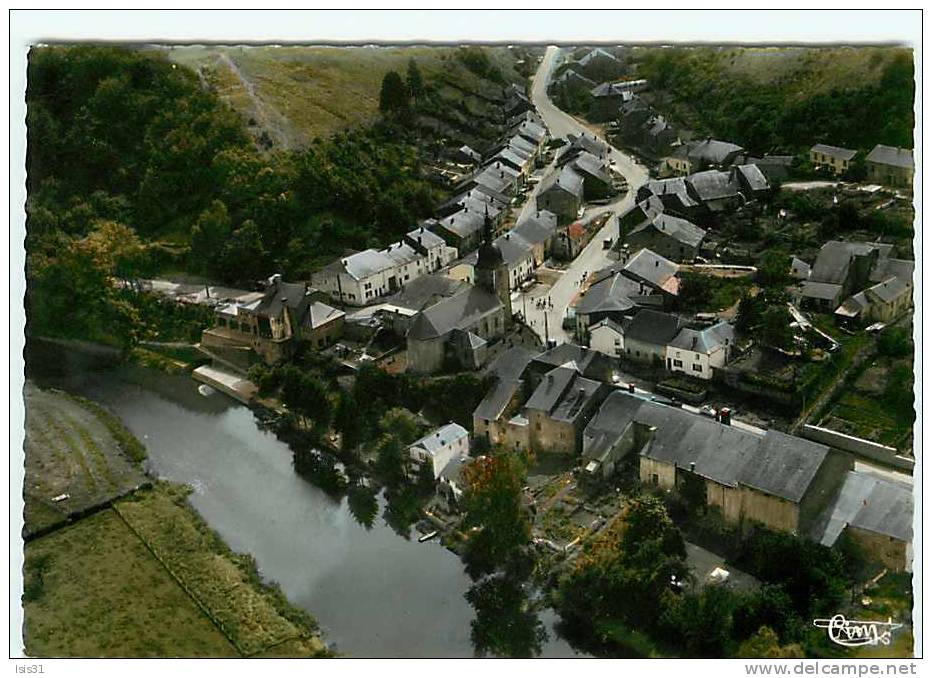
(789, 113)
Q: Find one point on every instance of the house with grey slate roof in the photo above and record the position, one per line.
(562, 194)
(774, 479)
(890, 166)
(439, 447)
(699, 352)
(669, 236)
(876, 512)
(272, 327)
(834, 158)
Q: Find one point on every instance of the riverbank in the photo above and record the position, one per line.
(121, 565)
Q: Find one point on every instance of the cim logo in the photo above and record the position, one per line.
(855, 633)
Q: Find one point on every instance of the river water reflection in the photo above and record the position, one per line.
(374, 593)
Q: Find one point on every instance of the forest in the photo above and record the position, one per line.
(786, 107)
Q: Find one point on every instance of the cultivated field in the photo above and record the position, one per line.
(76, 459)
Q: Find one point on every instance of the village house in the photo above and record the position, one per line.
(608, 97)
(505, 396)
(607, 336)
(669, 236)
(456, 331)
(272, 327)
(596, 175)
(572, 81)
(839, 269)
(583, 143)
(559, 408)
(562, 194)
(890, 166)
(632, 115)
(599, 64)
(591, 364)
(532, 131)
(613, 297)
(657, 136)
(362, 278)
(716, 190)
(438, 448)
(780, 481)
(675, 195)
(882, 302)
(647, 334)
(462, 230)
(467, 156)
(570, 241)
(834, 158)
(876, 513)
(654, 272)
(752, 182)
(699, 352)
(638, 214)
(476, 201)
(695, 156)
(539, 230)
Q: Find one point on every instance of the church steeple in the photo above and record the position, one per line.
(491, 271)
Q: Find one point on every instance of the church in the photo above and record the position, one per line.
(455, 333)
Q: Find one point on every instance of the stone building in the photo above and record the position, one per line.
(890, 166)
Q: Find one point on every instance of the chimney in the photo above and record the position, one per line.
(695, 339)
(631, 387)
(725, 416)
(692, 467)
(549, 379)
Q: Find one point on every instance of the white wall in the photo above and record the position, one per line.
(602, 339)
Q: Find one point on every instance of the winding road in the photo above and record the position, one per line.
(593, 257)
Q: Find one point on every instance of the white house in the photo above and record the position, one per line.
(607, 337)
(699, 352)
(362, 278)
(440, 447)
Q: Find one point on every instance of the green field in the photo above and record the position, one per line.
(102, 594)
(136, 573)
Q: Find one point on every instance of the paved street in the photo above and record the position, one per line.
(593, 257)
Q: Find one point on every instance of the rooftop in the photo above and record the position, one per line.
(443, 436)
(680, 230)
(890, 155)
(459, 311)
(834, 151)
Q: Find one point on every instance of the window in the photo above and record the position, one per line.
(697, 367)
(537, 425)
(637, 353)
(618, 342)
(677, 363)
(655, 479)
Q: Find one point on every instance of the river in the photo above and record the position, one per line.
(374, 593)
